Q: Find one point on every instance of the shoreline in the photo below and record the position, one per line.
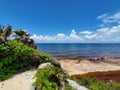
(105, 76)
(79, 67)
(92, 68)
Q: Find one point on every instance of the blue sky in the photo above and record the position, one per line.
(64, 20)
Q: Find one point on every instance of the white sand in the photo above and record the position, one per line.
(22, 81)
(74, 67)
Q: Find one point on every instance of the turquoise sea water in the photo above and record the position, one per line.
(80, 50)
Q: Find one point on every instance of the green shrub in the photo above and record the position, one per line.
(48, 78)
(45, 58)
(16, 57)
(113, 85)
(95, 84)
(68, 87)
(55, 63)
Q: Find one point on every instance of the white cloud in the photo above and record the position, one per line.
(59, 38)
(102, 16)
(74, 37)
(100, 35)
(86, 32)
(105, 35)
(106, 18)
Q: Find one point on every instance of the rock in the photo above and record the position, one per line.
(94, 59)
(45, 65)
(76, 86)
(104, 58)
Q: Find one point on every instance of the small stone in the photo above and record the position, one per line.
(2, 84)
(45, 65)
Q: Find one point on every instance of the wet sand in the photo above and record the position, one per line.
(104, 70)
(104, 76)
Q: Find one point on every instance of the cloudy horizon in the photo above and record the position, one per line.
(106, 33)
(64, 21)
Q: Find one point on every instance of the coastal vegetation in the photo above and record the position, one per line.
(95, 84)
(48, 78)
(20, 54)
(16, 57)
(22, 36)
(5, 33)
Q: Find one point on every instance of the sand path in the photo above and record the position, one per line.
(22, 81)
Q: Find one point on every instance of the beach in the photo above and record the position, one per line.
(101, 69)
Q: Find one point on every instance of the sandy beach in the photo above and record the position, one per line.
(75, 67)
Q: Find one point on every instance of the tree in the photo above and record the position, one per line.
(22, 36)
(5, 33)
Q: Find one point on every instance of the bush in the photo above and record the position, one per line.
(113, 85)
(16, 57)
(68, 87)
(95, 84)
(48, 78)
(55, 63)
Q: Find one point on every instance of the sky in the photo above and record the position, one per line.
(64, 21)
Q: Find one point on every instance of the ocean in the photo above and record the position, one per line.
(80, 50)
